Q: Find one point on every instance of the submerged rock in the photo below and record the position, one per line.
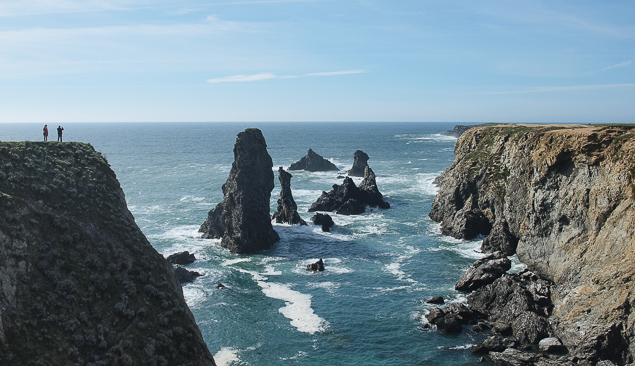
(242, 219)
(313, 162)
(287, 211)
(316, 267)
(324, 220)
(360, 163)
(348, 199)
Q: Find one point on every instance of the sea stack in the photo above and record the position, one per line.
(287, 208)
(360, 162)
(348, 199)
(313, 162)
(242, 220)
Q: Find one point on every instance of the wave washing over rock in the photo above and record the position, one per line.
(80, 282)
(565, 193)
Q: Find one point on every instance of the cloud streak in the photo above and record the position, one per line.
(268, 76)
(572, 88)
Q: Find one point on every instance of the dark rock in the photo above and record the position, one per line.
(220, 285)
(324, 220)
(500, 239)
(348, 199)
(493, 344)
(80, 281)
(551, 345)
(313, 162)
(436, 300)
(287, 211)
(513, 357)
(184, 275)
(484, 271)
(360, 163)
(451, 318)
(182, 258)
(457, 131)
(242, 219)
(481, 326)
(515, 301)
(316, 267)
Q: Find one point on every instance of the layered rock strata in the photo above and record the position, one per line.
(360, 162)
(287, 211)
(80, 283)
(348, 199)
(313, 162)
(566, 193)
(242, 220)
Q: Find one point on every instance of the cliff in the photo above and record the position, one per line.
(566, 194)
(79, 282)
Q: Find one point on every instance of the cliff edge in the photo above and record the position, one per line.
(565, 193)
(79, 282)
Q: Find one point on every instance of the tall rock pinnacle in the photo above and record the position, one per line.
(287, 208)
(242, 220)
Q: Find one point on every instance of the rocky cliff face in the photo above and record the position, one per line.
(242, 219)
(79, 282)
(566, 194)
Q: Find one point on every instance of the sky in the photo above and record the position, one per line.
(317, 60)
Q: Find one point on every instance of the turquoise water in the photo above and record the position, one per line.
(366, 308)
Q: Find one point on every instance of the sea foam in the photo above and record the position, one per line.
(297, 307)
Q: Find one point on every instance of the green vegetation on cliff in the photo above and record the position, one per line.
(81, 282)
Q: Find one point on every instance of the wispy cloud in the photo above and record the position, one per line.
(551, 89)
(268, 76)
(616, 66)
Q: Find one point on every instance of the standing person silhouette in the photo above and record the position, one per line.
(59, 133)
(46, 132)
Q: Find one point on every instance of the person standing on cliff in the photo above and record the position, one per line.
(46, 132)
(59, 133)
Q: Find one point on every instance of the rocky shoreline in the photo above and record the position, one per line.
(561, 198)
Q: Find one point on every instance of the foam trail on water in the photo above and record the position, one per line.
(297, 308)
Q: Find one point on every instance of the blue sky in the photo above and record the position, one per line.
(317, 60)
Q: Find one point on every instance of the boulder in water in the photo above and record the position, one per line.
(324, 220)
(316, 267)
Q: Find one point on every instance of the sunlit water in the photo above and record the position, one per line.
(366, 308)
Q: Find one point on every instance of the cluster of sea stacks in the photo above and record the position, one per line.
(242, 220)
(561, 199)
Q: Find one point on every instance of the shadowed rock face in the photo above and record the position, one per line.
(360, 163)
(242, 219)
(80, 282)
(313, 162)
(287, 211)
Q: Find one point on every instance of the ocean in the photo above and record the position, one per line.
(366, 308)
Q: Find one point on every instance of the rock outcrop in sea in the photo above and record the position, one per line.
(324, 220)
(242, 220)
(566, 195)
(313, 162)
(360, 162)
(457, 131)
(80, 282)
(348, 199)
(287, 211)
